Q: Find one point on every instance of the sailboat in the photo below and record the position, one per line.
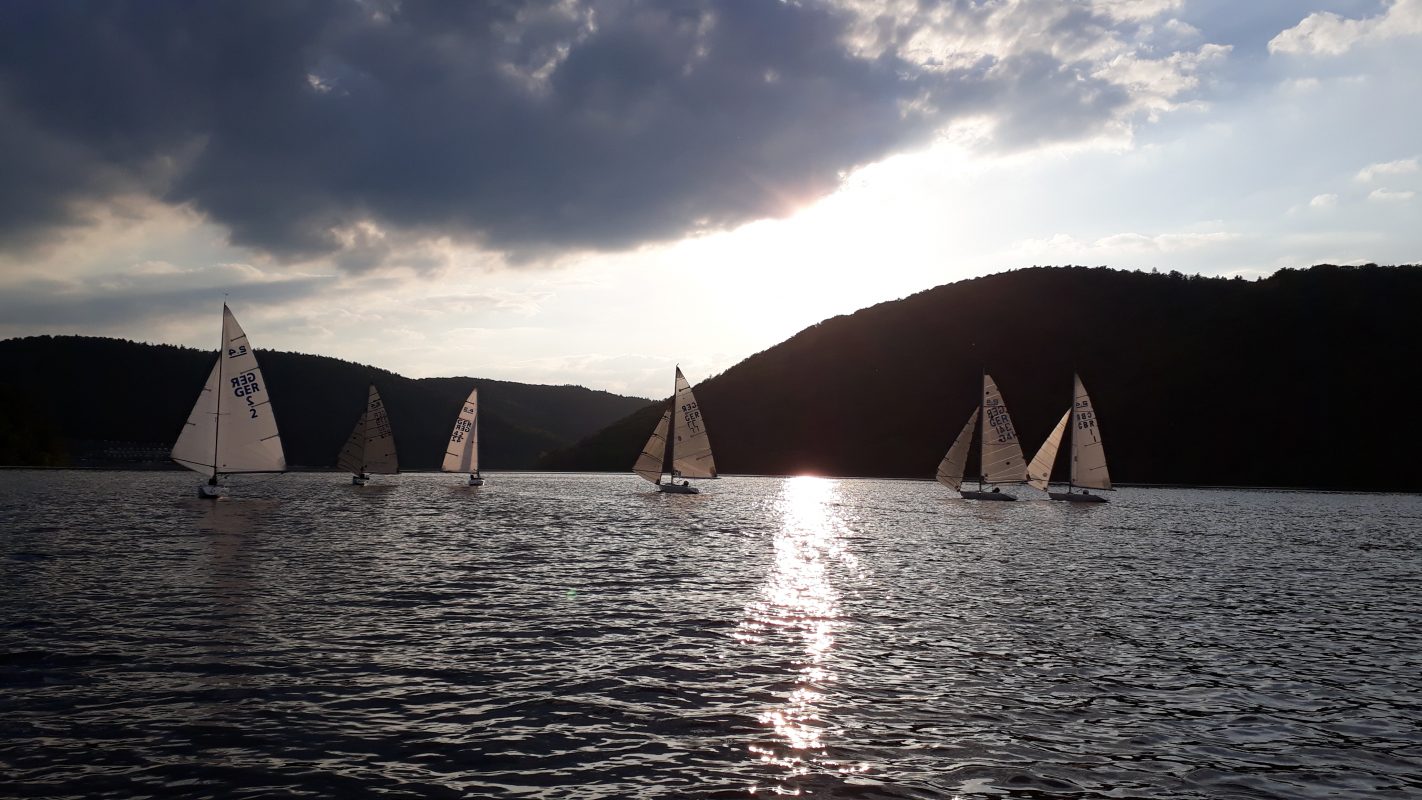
(679, 440)
(1001, 460)
(231, 429)
(1088, 458)
(371, 448)
(462, 452)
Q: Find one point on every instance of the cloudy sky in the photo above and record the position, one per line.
(589, 192)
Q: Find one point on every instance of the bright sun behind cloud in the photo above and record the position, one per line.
(763, 187)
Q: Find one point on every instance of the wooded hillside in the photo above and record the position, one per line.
(64, 393)
(1300, 379)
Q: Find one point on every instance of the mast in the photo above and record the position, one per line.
(1088, 456)
(671, 434)
(1071, 468)
(217, 415)
(982, 431)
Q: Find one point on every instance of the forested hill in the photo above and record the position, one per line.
(1300, 379)
(64, 395)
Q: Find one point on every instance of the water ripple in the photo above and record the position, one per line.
(578, 636)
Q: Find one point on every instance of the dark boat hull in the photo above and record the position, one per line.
(1077, 498)
(986, 496)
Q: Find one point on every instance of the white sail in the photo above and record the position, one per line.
(196, 447)
(691, 447)
(231, 428)
(1039, 472)
(950, 470)
(462, 452)
(1002, 460)
(352, 457)
(649, 463)
(371, 446)
(1088, 457)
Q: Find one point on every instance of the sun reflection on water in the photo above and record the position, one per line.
(799, 601)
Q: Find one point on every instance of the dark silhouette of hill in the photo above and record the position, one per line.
(1299, 379)
(74, 389)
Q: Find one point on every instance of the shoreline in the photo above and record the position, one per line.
(1123, 485)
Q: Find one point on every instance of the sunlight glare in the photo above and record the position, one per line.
(800, 602)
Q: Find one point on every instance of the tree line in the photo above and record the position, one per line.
(61, 392)
(1298, 379)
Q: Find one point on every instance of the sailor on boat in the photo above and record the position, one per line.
(218, 442)
(678, 444)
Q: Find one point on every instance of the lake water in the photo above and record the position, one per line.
(579, 636)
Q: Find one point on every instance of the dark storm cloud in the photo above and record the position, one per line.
(60, 306)
(532, 126)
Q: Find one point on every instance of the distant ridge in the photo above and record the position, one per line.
(1299, 379)
(69, 399)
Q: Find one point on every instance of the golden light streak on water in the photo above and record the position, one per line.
(300, 637)
(799, 600)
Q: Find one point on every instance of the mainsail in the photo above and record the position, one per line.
(462, 452)
(691, 447)
(1088, 458)
(371, 447)
(950, 470)
(649, 463)
(231, 428)
(1039, 472)
(1002, 460)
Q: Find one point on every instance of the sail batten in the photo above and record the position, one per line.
(463, 455)
(371, 446)
(1039, 472)
(231, 428)
(1088, 457)
(649, 463)
(678, 442)
(352, 457)
(955, 461)
(1002, 460)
